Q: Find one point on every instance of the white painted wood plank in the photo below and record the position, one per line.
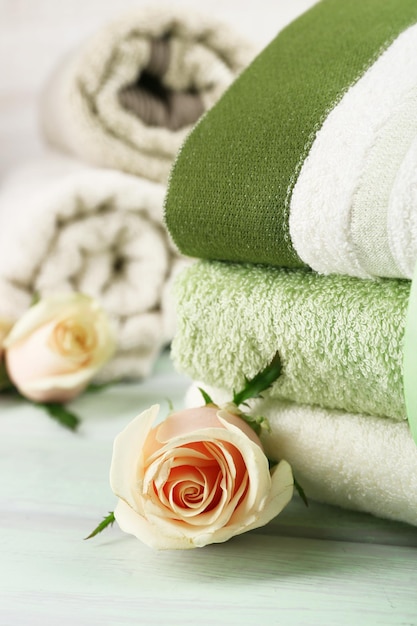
(53, 577)
(54, 489)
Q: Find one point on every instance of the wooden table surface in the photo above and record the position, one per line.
(317, 565)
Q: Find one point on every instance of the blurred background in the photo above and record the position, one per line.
(54, 236)
(36, 34)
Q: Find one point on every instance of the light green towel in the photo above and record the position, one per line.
(310, 157)
(340, 338)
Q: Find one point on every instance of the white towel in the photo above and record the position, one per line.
(127, 98)
(67, 226)
(353, 461)
(353, 207)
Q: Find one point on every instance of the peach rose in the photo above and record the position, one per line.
(57, 346)
(199, 477)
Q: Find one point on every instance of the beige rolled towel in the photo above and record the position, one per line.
(67, 226)
(127, 98)
(353, 461)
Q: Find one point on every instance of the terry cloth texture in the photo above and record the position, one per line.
(354, 461)
(310, 157)
(65, 226)
(340, 338)
(128, 97)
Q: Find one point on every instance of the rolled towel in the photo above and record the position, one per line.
(67, 226)
(310, 158)
(340, 339)
(129, 96)
(353, 461)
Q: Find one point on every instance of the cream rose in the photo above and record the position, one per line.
(199, 477)
(57, 346)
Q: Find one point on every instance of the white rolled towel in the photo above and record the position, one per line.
(67, 226)
(353, 209)
(127, 98)
(353, 461)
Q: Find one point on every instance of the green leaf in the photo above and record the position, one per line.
(206, 397)
(35, 298)
(170, 405)
(260, 382)
(5, 382)
(97, 387)
(60, 413)
(300, 490)
(107, 521)
(258, 424)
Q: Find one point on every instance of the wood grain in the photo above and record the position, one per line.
(319, 565)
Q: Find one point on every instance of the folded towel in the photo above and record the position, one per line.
(128, 97)
(67, 226)
(310, 158)
(353, 461)
(340, 338)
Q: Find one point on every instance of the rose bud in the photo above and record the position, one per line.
(57, 346)
(199, 477)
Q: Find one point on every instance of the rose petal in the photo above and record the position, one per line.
(149, 531)
(255, 461)
(238, 422)
(279, 497)
(42, 362)
(65, 381)
(189, 421)
(197, 436)
(186, 490)
(198, 485)
(176, 457)
(31, 359)
(160, 470)
(46, 310)
(281, 493)
(256, 466)
(127, 453)
(207, 477)
(158, 474)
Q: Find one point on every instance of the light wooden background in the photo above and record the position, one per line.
(320, 566)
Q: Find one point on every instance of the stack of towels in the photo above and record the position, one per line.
(89, 215)
(298, 192)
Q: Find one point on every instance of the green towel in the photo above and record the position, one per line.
(340, 339)
(308, 150)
